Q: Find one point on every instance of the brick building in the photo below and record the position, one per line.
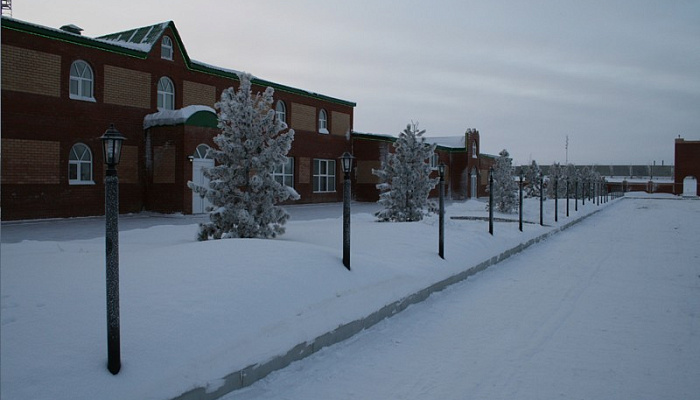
(61, 90)
(687, 169)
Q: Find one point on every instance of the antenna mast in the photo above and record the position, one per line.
(567, 149)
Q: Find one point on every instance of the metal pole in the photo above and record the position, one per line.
(576, 196)
(567, 197)
(583, 194)
(441, 248)
(491, 201)
(346, 221)
(112, 265)
(556, 199)
(541, 199)
(520, 205)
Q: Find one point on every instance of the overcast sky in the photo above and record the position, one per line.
(620, 78)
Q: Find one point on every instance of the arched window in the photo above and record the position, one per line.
(322, 121)
(81, 81)
(474, 155)
(281, 110)
(202, 152)
(166, 94)
(80, 165)
(166, 48)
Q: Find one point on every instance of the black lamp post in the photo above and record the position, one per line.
(541, 200)
(111, 151)
(491, 201)
(567, 197)
(520, 203)
(576, 195)
(556, 198)
(441, 246)
(346, 161)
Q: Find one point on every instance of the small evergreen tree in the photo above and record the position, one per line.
(405, 181)
(532, 177)
(242, 190)
(557, 173)
(505, 189)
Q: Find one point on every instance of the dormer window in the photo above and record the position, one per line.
(166, 48)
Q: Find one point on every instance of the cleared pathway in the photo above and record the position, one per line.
(607, 309)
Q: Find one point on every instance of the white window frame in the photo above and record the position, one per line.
(323, 121)
(281, 112)
(166, 48)
(166, 94)
(284, 174)
(434, 161)
(82, 80)
(80, 160)
(324, 176)
(202, 152)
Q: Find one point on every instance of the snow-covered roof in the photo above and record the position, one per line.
(138, 38)
(174, 117)
(452, 142)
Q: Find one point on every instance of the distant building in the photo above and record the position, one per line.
(687, 159)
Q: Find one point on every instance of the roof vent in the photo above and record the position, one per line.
(72, 29)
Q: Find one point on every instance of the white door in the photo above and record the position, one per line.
(690, 186)
(200, 161)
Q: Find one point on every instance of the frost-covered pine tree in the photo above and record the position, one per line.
(532, 177)
(505, 189)
(242, 189)
(557, 173)
(405, 181)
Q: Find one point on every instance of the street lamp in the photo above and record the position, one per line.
(111, 151)
(541, 199)
(441, 247)
(346, 162)
(491, 201)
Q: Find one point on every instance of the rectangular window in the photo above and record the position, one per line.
(284, 173)
(434, 161)
(324, 176)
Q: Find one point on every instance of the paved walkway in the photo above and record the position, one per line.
(607, 309)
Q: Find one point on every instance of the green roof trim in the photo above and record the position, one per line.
(139, 42)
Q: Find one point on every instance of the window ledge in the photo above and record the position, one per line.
(81, 183)
(324, 131)
(81, 98)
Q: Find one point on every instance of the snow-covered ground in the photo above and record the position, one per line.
(609, 309)
(192, 312)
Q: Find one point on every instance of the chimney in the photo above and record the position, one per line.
(72, 29)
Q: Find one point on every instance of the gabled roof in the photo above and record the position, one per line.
(138, 43)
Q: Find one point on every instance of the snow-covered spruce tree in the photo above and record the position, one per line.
(558, 173)
(242, 189)
(405, 181)
(532, 177)
(505, 189)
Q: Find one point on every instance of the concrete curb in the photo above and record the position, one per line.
(251, 374)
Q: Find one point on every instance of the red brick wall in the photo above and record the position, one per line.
(687, 163)
(46, 114)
